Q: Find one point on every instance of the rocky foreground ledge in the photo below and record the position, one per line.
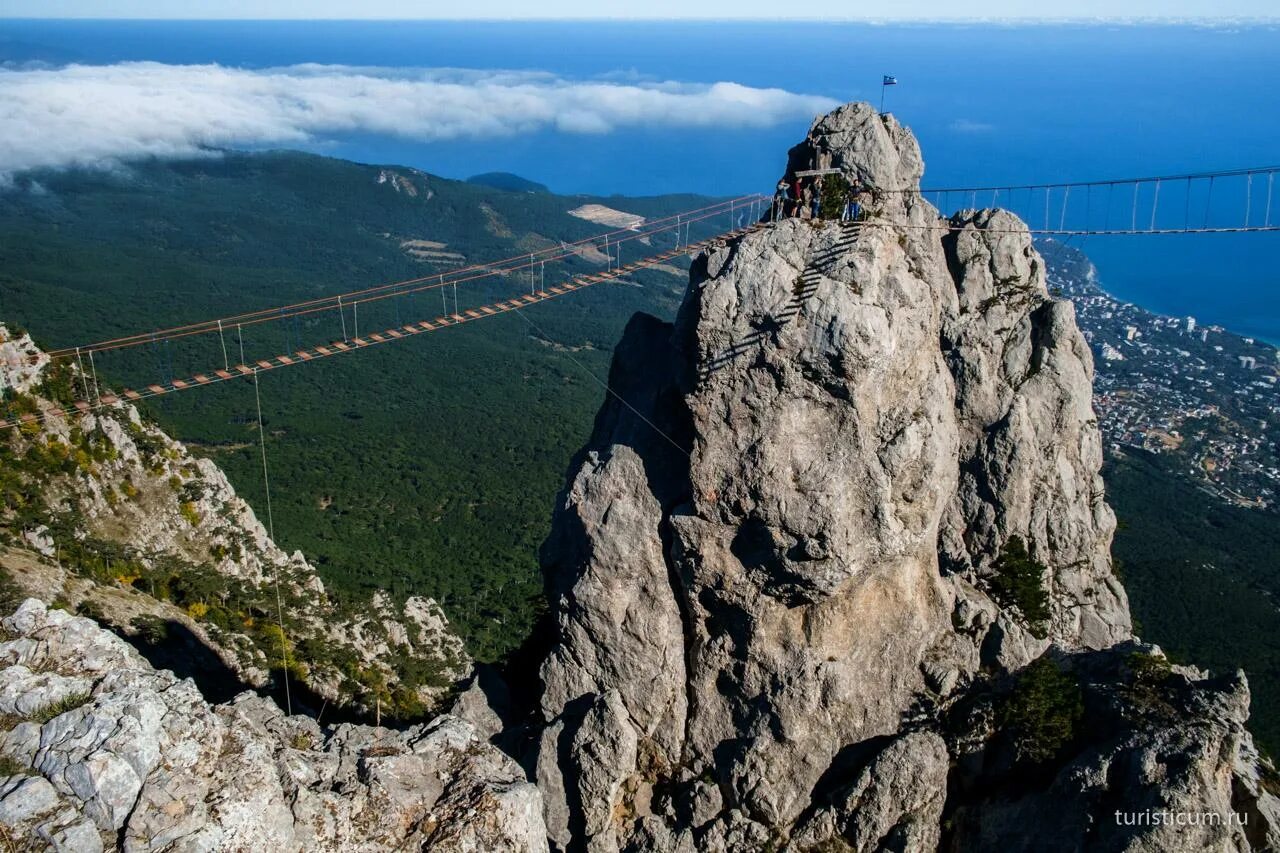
(100, 751)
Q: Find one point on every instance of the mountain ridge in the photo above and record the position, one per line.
(509, 182)
(119, 507)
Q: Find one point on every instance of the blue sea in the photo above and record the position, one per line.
(990, 103)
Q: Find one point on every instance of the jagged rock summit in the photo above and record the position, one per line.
(853, 490)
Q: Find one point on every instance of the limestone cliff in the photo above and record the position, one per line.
(851, 492)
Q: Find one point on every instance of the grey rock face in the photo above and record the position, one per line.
(121, 751)
(1031, 452)
(895, 801)
(21, 362)
(772, 567)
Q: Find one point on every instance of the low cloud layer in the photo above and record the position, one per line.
(99, 116)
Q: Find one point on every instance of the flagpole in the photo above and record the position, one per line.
(886, 80)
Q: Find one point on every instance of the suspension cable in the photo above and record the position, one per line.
(271, 529)
(1150, 179)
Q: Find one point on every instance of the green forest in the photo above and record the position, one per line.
(428, 467)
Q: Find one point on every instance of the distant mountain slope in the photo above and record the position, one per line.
(428, 467)
(509, 182)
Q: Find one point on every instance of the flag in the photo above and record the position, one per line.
(890, 81)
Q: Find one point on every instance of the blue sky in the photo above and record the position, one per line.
(851, 9)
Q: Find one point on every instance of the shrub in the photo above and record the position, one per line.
(58, 384)
(1019, 583)
(57, 709)
(16, 404)
(1147, 693)
(193, 490)
(151, 629)
(92, 610)
(11, 595)
(835, 191)
(404, 704)
(126, 577)
(11, 767)
(188, 510)
(1042, 712)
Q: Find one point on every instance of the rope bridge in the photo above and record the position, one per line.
(746, 209)
(1222, 202)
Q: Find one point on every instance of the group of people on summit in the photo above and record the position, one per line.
(804, 200)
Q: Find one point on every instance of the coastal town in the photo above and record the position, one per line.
(1195, 392)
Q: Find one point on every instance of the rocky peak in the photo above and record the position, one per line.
(855, 485)
(871, 150)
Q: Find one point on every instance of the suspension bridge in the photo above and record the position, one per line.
(1234, 201)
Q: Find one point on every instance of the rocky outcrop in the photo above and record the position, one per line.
(21, 362)
(1164, 762)
(134, 527)
(855, 484)
(103, 752)
(1030, 447)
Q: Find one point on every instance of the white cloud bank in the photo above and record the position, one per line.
(98, 116)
